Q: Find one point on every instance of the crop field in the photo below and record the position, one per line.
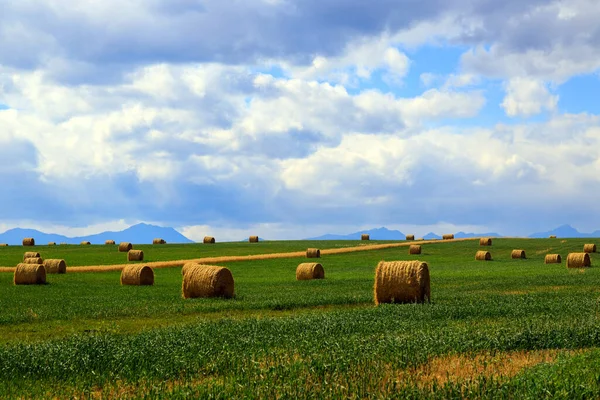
(507, 328)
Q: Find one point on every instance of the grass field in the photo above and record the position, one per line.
(503, 328)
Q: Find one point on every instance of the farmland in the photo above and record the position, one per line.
(503, 328)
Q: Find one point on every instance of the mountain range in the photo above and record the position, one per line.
(387, 234)
(565, 231)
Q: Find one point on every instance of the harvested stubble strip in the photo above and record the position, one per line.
(29, 274)
(85, 243)
(135, 255)
(29, 242)
(109, 242)
(589, 248)
(125, 247)
(33, 260)
(552, 259)
(485, 241)
(51, 243)
(208, 240)
(207, 281)
(137, 275)
(55, 266)
(517, 254)
(402, 282)
(253, 239)
(308, 271)
(30, 254)
(414, 249)
(578, 260)
(410, 237)
(364, 236)
(313, 253)
(448, 236)
(158, 241)
(483, 256)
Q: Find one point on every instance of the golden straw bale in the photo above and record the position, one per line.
(313, 253)
(29, 274)
(28, 242)
(552, 259)
(414, 249)
(135, 255)
(85, 243)
(137, 275)
(187, 266)
(3, 244)
(419, 239)
(364, 236)
(33, 260)
(448, 236)
(552, 236)
(483, 256)
(589, 248)
(208, 239)
(307, 271)
(207, 281)
(578, 260)
(109, 242)
(51, 243)
(253, 239)
(518, 254)
(158, 241)
(55, 266)
(402, 282)
(410, 237)
(485, 241)
(30, 254)
(125, 247)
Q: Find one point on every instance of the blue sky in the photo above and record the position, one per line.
(289, 118)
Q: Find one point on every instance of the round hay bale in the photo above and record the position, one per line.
(85, 243)
(307, 271)
(313, 253)
(55, 266)
(135, 255)
(109, 242)
(414, 249)
(30, 254)
(578, 260)
(187, 266)
(29, 274)
(207, 281)
(158, 241)
(518, 254)
(589, 248)
(448, 236)
(485, 241)
(552, 259)
(552, 236)
(253, 239)
(364, 236)
(483, 256)
(420, 239)
(402, 282)
(51, 243)
(410, 237)
(29, 242)
(137, 275)
(3, 244)
(208, 240)
(125, 247)
(33, 260)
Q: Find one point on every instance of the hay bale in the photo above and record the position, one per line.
(55, 266)
(208, 239)
(125, 247)
(402, 282)
(3, 244)
(109, 242)
(135, 255)
(552, 259)
(483, 256)
(578, 260)
(253, 239)
(137, 275)
(28, 242)
(33, 260)
(518, 254)
(552, 236)
(485, 241)
(448, 236)
(420, 239)
(313, 253)
(85, 243)
(158, 241)
(207, 281)
(414, 249)
(187, 266)
(51, 243)
(410, 237)
(364, 236)
(589, 248)
(30, 254)
(307, 271)
(29, 274)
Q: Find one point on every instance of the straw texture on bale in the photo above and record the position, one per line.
(109, 242)
(552, 259)
(485, 241)
(187, 266)
(578, 260)
(125, 247)
(589, 248)
(137, 275)
(253, 239)
(55, 266)
(307, 271)
(365, 236)
(135, 255)
(207, 281)
(313, 253)
(402, 282)
(51, 243)
(85, 243)
(33, 260)
(552, 236)
(410, 237)
(448, 236)
(518, 254)
(414, 249)
(29, 274)
(483, 256)
(158, 241)
(29, 242)
(30, 254)
(209, 239)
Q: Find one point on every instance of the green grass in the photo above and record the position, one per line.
(84, 335)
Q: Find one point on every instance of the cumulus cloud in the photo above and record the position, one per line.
(527, 97)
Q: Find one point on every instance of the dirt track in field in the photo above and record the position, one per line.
(223, 259)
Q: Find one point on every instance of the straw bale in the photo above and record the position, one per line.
(29, 242)
(364, 236)
(307, 271)
(137, 275)
(3, 244)
(51, 243)
(410, 237)
(109, 242)
(552, 236)
(414, 249)
(448, 236)
(402, 282)
(485, 241)
(187, 266)
(33, 260)
(207, 281)
(518, 254)
(313, 253)
(209, 239)
(552, 259)
(483, 256)
(158, 241)
(29, 274)
(30, 254)
(55, 266)
(253, 239)
(85, 243)
(125, 247)
(135, 255)
(589, 248)
(578, 260)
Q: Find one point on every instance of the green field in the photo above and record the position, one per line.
(503, 328)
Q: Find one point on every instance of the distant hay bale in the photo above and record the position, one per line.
(420, 239)
(55, 266)
(552, 259)
(414, 249)
(410, 237)
(307, 271)
(448, 236)
(29, 274)
(137, 275)
(51, 243)
(364, 236)
(135, 255)
(30, 254)
(589, 248)
(313, 253)
(207, 281)
(33, 260)
(253, 239)
(483, 256)
(29, 242)
(125, 247)
(109, 242)
(578, 260)
(552, 236)
(208, 239)
(3, 244)
(485, 241)
(85, 243)
(158, 241)
(402, 282)
(518, 254)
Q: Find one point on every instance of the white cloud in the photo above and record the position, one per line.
(527, 97)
